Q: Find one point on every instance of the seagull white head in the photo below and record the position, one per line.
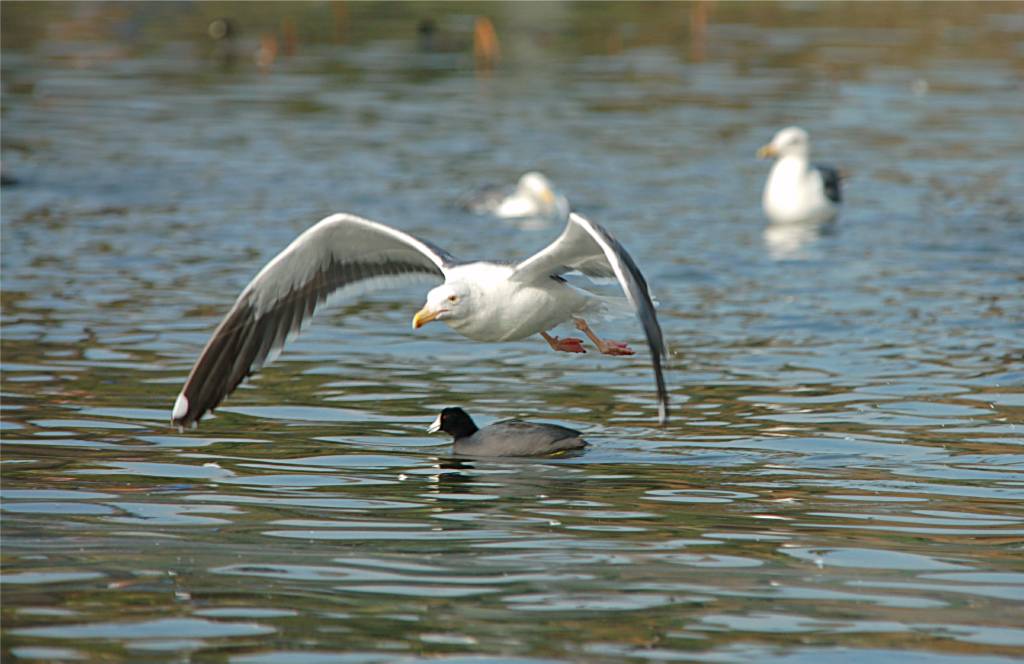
(537, 187)
(448, 302)
(788, 142)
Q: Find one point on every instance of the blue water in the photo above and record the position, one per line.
(843, 474)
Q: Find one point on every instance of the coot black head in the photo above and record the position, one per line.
(454, 421)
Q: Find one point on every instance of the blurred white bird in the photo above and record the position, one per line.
(533, 204)
(797, 191)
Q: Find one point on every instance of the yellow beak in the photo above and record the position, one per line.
(766, 151)
(424, 316)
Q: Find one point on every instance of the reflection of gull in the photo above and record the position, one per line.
(797, 191)
(790, 241)
(485, 301)
(533, 203)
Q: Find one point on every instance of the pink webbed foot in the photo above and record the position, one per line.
(570, 345)
(566, 345)
(606, 346)
(609, 347)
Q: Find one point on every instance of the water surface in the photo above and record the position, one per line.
(842, 477)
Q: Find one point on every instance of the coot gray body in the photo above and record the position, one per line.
(506, 438)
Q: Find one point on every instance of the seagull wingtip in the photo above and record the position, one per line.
(180, 408)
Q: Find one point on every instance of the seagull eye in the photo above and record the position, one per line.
(453, 298)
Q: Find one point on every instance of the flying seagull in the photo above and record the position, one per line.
(482, 300)
(797, 191)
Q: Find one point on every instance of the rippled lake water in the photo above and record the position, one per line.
(843, 475)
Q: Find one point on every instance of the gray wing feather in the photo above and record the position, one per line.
(341, 255)
(590, 249)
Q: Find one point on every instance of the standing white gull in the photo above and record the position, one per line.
(486, 301)
(797, 191)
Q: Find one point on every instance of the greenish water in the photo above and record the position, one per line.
(842, 479)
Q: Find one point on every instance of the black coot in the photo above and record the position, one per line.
(505, 438)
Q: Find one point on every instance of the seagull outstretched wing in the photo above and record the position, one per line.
(342, 255)
(588, 248)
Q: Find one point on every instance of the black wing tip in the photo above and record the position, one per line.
(187, 413)
(183, 416)
(662, 392)
(652, 328)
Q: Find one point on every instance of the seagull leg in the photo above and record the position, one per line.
(606, 346)
(567, 345)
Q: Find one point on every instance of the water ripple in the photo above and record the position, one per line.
(846, 439)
